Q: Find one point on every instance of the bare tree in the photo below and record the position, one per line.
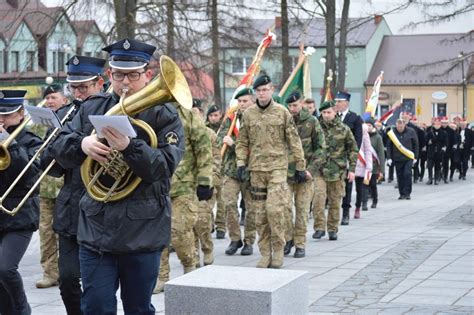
(341, 61)
(285, 56)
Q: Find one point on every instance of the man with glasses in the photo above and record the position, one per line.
(266, 133)
(84, 75)
(120, 242)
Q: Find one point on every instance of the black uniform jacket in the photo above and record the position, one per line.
(408, 139)
(436, 140)
(141, 222)
(355, 123)
(21, 150)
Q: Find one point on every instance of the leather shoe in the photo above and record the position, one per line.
(407, 197)
(233, 247)
(247, 250)
(318, 234)
(401, 197)
(332, 236)
(299, 252)
(220, 235)
(344, 221)
(288, 246)
(429, 182)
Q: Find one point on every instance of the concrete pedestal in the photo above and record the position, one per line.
(237, 290)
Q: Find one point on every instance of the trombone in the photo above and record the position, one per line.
(5, 160)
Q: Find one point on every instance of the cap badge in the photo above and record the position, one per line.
(75, 61)
(126, 45)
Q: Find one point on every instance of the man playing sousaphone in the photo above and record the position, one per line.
(120, 241)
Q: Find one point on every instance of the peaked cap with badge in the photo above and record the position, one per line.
(83, 68)
(342, 96)
(11, 101)
(129, 54)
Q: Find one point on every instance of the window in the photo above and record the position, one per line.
(408, 105)
(14, 61)
(61, 61)
(55, 62)
(240, 65)
(440, 109)
(381, 110)
(30, 61)
(294, 62)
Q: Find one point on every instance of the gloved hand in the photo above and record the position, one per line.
(241, 172)
(204, 192)
(300, 177)
(443, 149)
(389, 162)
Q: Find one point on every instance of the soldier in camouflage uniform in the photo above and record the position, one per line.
(192, 177)
(203, 227)
(341, 151)
(267, 130)
(49, 190)
(312, 139)
(232, 186)
(213, 121)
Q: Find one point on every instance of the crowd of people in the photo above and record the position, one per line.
(276, 162)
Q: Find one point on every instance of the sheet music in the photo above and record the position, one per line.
(119, 122)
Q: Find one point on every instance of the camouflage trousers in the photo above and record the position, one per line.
(334, 192)
(231, 190)
(183, 219)
(48, 240)
(269, 191)
(203, 227)
(220, 210)
(302, 194)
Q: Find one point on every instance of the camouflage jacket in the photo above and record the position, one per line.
(314, 144)
(265, 136)
(49, 186)
(229, 160)
(214, 127)
(216, 156)
(341, 150)
(196, 166)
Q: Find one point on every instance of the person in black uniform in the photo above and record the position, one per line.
(120, 242)
(411, 122)
(467, 141)
(449, 147)
(436, 140)
(16, 231)
(84, 75)
(354, 122)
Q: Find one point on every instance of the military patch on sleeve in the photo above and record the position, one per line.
(171, 138)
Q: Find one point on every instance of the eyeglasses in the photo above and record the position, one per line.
(81, 88)
(132, 76)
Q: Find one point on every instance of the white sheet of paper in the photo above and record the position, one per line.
(119, 122)
(43, 116)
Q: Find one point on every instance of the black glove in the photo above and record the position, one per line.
(300, 177)
(204, 192)
(241, 172)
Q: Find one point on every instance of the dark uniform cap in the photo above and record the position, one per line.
(342, 96)
(83, 68)
(244, 91)
(212, 109)
(293, 97)
(11, 101)
(129, 54)
(53, 88)
(261, 80)
(197, 103)
(326, 105)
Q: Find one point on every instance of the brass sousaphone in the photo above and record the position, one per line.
(113, 180)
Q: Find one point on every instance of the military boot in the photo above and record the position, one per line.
(246, 250)
(288, 246)
(233, 247)
(429, 182)
(277, 259)
(159, 287)
(345, 217)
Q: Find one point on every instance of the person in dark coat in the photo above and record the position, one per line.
(451, 134)
(120, 242)
(410, 120)
(466, 144)
(354, 122)
(16, 231)
(436, 140)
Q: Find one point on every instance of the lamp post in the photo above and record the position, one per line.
(461, 58)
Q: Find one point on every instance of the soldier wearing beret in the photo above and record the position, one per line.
(231, 184)
(16, 231)
(214, 118)
(266, 133)
(341, 152)
(314, 147)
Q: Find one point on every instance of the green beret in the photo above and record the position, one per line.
(326, 105)
(261, 80)
(244, 91)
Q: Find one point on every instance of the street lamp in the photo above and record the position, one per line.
(49, 80)
(461, 58)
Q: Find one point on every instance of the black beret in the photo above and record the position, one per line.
(326, 105)
(244, 91)
(293, 97)
(212, 109)
(53, 88)
(197, 103)
(261, 80)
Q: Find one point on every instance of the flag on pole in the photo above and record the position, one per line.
(390, 117)
(300, 77)
(328, 96)
(374, 98)
(418, 108)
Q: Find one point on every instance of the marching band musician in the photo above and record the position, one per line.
(120, 242)
(16, 231)
(84, 75)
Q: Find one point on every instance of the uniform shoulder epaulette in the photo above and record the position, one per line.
(100, 95)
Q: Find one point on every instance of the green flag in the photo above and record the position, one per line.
(295, 83)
